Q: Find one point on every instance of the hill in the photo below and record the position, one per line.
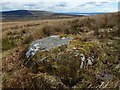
(32, 15)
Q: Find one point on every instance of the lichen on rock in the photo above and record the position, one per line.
(46, 44)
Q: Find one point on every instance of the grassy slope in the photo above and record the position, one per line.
(98, 34)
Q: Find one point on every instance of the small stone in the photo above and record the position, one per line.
(63, 38)
(74, 47)
(81, 66)
(89, 62)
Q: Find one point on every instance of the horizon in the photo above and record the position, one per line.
(61, 6)
(55, 12)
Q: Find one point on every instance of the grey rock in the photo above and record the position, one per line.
(46, 44)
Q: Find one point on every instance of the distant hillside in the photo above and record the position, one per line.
(31, 15)
(16, 13)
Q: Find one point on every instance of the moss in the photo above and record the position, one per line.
(8, 44)
(63, 35)
(63, 61)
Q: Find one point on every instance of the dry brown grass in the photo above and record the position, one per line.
(16, 32)
(21, 34)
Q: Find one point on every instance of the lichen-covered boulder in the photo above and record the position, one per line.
(65, 57)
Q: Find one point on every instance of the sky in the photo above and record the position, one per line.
(61, 6)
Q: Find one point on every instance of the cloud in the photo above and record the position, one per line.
(30, 4)
(61, 5)
(93, 4)
(60, 0)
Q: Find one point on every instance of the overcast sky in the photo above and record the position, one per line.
(80, 6)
